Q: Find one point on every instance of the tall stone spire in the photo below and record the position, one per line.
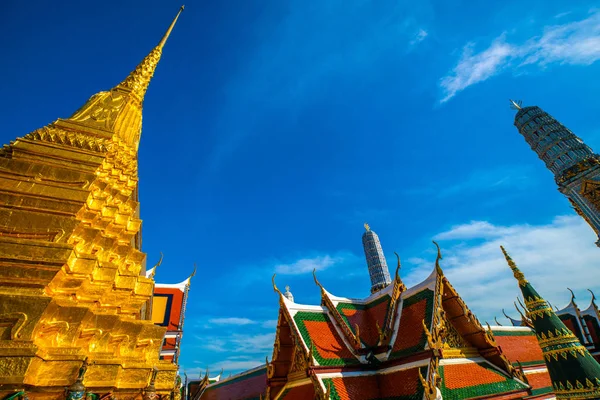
(378, 269)
(573, 370)
(575, 166)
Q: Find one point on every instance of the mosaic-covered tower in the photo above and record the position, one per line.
(378, 269)
(574, 372)
(575, 166)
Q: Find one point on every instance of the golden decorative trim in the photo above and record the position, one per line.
(516, 272)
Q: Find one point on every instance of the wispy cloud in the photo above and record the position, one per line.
(574, 43)
(553, 257)
(231, 321)
(272, 323)
(419, 37)
(478, 181)
(306, 265)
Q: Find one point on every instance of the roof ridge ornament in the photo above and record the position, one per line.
(572, 296)
(593, 297)
(275, 288)
(317, 281)
(367, 227)
(515, 105)
(156, 265)
(398, 268)
(438, 258)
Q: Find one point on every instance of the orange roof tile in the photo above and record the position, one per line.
(355, 388)
(367, 317)
(540, 381)
(401, 384)
(470, 374)
(411, 336)
(248, 386)
(522, 348)
(317, 328)
(395, 385)
(469, 380)
(303, 392)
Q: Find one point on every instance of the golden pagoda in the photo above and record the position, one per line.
(74, 299)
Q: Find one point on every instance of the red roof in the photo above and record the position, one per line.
(471, 379)
(366, 316)
(329, 348)
(520, 346)
(250, 385)
(399, 384)
(303, 392)
(411, 336)
(539, 381)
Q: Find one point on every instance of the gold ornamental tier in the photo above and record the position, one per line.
(71, 284)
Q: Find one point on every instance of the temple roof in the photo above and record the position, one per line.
(573, 370)
(249, 384)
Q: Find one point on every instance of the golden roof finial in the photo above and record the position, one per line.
(139, 79)
(168, 32)
(367, 227)
(438, 258)
(516, 272)
(515, 105)
(275, 288)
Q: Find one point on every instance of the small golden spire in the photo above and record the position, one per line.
(515, 105)
(367, 227)
(516, 272)
(138, 80)
(168, 32)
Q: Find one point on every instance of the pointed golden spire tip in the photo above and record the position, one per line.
(516, 272)
(166, 35)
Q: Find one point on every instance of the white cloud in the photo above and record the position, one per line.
(271, 323)
(231, 321)
(552, 257)
(305, 265)
(250, 344)
(473, 68)
(575, 43)
(235, 365)
(419, 37)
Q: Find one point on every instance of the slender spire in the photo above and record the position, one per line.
(515, 105)
(376, 262)
(162, 42)
(516, 272)
(139, 79)
(572, 369)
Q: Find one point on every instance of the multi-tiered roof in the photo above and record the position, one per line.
(403, 343)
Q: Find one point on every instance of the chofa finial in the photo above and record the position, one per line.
(515, 105)
(438, 257)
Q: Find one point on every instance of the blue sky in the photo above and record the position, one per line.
(273, 130)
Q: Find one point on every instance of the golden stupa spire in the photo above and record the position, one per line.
(138, 80)
(516, 271)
